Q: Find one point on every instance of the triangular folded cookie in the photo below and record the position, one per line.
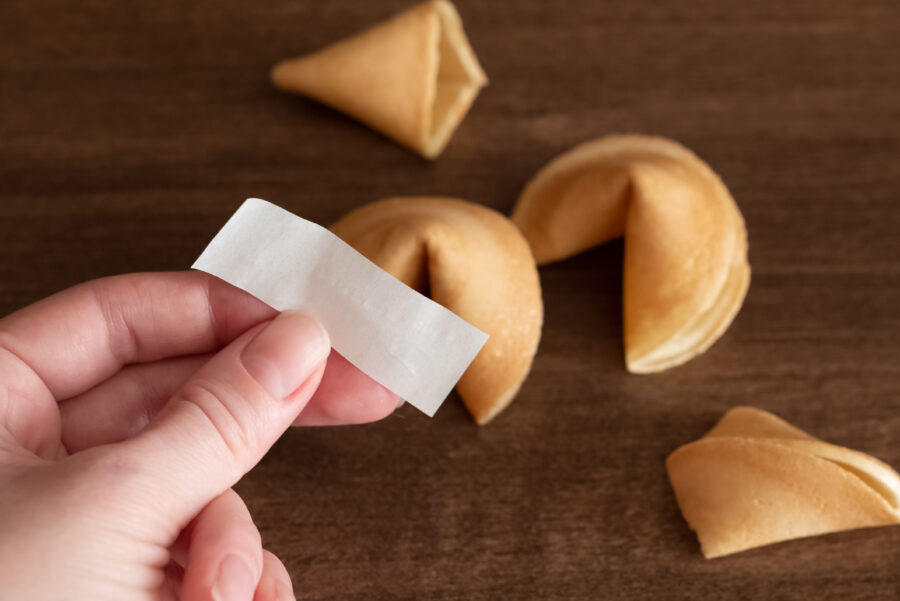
(473, 261)
(686, 271)
(412, 77)
(755, 479)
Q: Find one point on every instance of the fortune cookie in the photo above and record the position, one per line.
(473, 261)
(412, 77)
(686, 271)
(755, 479)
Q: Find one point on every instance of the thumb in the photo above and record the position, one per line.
(225, 418)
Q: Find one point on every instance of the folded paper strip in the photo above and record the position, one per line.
(408, 343)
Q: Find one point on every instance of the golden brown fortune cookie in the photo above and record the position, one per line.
(473, 261)
(755, 479)
(686, 271)
(413, 77)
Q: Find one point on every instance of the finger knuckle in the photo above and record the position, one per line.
(220, 410)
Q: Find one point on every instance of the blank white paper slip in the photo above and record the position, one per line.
(403, 340)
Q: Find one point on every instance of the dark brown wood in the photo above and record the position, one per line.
(129, 131)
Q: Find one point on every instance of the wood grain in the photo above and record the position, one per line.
(129, 131)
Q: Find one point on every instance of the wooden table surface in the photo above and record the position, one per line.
(129, 132)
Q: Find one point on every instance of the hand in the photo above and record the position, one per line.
(121, 435)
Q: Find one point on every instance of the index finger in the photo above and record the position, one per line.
(82, 336)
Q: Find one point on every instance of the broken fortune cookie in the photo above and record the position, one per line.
(413, 77)
(686, 271)
(473, 261)
(754, 479)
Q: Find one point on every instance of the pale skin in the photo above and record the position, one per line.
(129, 406)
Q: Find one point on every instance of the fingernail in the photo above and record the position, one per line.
(235, 581)
(286, 352)
(286, 592)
